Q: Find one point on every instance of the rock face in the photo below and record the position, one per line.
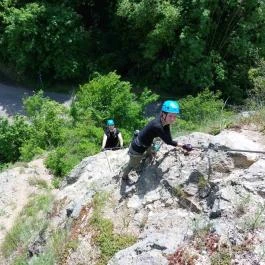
(16, 186)
(200, 207)
(174, 198)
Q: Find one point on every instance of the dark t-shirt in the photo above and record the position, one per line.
(112, 138)
(152, 130)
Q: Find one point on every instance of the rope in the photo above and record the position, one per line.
(226, 149)
(108, 162)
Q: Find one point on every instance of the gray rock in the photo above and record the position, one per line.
(212, 182)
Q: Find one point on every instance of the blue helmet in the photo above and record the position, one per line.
(110, 122)
(170, 106)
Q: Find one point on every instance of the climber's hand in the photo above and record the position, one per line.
(187, 147)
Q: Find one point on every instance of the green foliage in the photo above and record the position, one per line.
(38, 182)
(30, 149)
(58, 164)
(189, 45)
(56, 183)
(203, 182)
(257, 78)
(255, 220)
(222, 257)
(70, 138)
(176, 47)
(77, 143)
(27, 224)
(206, 105)
(201, 112)
(256, 118)
(179, 192)
(54, 249)
(46, 258)
(108, 242)
(43, 38)
(34, 104)
(21, 260)
(108, 97)
(48, 119)
(4, 166)
(12, 136)
(242, 206)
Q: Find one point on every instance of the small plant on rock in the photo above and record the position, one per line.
(202, 182)
(222, 257)
(182, 256)
(179, 192)
(108, 242)
(242, 206)
(255, 220)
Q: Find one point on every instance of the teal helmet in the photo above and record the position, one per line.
(170, 106)
(110, 122)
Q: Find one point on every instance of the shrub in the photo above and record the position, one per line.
(48, 119)
(30, 149)
(102, 98)
(77, 143)
(108, 97)
(12, 136)
(206, 105)
(206, 111)
(257, 93)
(43, 38)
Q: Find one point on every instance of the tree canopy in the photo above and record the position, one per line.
(174, 46)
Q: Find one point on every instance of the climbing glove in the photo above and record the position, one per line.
(187, 147)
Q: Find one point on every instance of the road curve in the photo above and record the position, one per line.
(11, 98)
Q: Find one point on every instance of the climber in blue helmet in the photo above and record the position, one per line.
(112, 138)
(158, 127)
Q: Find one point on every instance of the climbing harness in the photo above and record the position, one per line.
(114, 148)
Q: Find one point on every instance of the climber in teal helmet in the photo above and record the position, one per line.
(159, 127)
(112, 138)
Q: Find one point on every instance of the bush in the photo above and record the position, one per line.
(29, 149)
(48, 119)
(257, 93)
(107, 97)
(206, 105)
(78, 143)
(50, 126)
(43, 38)
(12, 136)
(203, 112)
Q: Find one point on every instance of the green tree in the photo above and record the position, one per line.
(106, 96)
(48, 119)
(257, 79)
(190, 45)
(77, 143)
(204, 112)
(12, 136)
(41, 38)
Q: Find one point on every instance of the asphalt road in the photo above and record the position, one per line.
(11, 98)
